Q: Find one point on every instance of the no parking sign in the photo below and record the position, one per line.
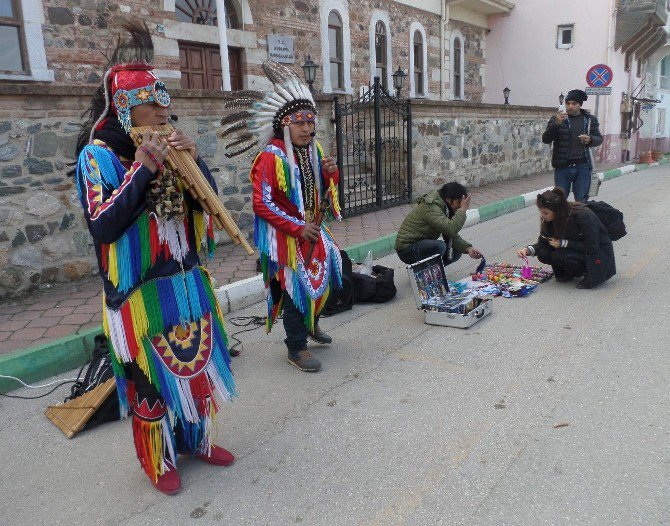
(599, 76)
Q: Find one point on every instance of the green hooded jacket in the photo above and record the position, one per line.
(429, 220)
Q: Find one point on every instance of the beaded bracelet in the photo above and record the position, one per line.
(159, 165)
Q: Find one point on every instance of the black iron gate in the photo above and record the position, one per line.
(374, 151)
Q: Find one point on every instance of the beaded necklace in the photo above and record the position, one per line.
(307, 172)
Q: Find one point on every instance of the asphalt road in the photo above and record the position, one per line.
(552, 411)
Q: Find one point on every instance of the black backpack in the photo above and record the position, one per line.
(98, 372)
(610, 217)
(341, 299)
(378, 288)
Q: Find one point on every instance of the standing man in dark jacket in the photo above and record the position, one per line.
(573, 132)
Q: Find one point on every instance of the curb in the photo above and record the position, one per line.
(56, 357)
(43, 361)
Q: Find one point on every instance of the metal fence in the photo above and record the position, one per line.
(374, 151)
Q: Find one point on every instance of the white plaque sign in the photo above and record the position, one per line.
(280, 48)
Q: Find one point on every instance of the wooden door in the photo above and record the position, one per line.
(201, 67)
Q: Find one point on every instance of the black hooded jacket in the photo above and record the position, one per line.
(559, 134)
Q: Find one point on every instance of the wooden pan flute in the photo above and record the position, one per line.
(181, 162)
(72, 416)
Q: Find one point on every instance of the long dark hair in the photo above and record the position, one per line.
(556, 201)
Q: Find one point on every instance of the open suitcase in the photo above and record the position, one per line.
(442, 307)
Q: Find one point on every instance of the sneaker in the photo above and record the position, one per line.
(304, 361)
(320, 337)
(169, 482)
(217, 456)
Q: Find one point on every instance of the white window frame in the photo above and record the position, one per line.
(454, 35)
(413, 28)
(383, 17)
(559, 36)
(341, 7)
(32, 12)
(664, 80)
(660, 121)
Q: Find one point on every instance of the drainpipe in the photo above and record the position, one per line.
(609, 103)
(223, 44)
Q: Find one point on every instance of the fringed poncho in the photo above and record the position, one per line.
(280, 218)
(160, 311)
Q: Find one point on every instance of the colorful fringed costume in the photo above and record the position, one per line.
(294, 187)
(160, 313)
(164, 325)
(280, 217)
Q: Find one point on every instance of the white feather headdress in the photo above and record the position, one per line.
(254, 117)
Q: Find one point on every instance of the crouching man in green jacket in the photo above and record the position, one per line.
(439, 212)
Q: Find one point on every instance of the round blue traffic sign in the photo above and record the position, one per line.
(599, 76)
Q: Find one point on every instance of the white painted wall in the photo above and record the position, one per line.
(522, 54)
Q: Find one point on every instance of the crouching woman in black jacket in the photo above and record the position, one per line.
(572, 240)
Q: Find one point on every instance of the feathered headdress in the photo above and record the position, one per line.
(130, 80)
(254, 117)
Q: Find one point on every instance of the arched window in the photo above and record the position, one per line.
(335, 45)
(457, 65)
(204, 12)
(232, 15)
(196, 12)
(335, 51)
(418, 63)
(381, 65)
(457, 69)
(418, 57)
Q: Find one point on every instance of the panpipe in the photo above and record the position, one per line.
(72, 416)
(183, 164)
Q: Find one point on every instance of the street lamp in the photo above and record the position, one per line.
(506, 95)
(309, 68)
(561, 98)
(398, 79)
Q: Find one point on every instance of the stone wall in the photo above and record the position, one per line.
(44, 240)
(79, 34)
(476, 144)
(43, 236)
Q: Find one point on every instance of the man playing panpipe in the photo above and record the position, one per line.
(290, 176)
(168, 344)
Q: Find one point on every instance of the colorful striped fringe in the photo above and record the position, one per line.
(278, 252)
(151, 309)
(127, 260)
(153, 445)
(290, 282)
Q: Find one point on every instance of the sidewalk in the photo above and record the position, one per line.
(68, 309)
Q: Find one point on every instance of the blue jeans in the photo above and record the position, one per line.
(425, 248)
(578, 176)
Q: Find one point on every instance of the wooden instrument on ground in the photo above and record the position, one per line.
(181, 162)
(72, 416)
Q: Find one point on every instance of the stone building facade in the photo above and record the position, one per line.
(43, 237)
(64, 45)
(67, 41)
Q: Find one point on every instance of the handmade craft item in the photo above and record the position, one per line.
(513, 280)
